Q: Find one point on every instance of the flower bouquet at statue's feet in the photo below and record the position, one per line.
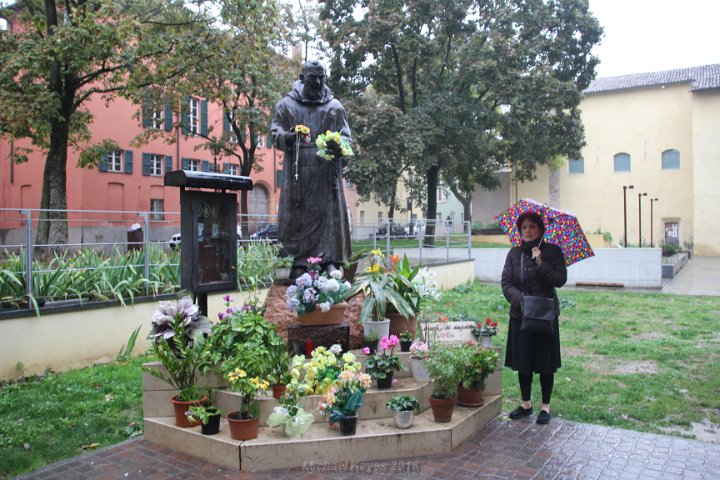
(382, 366)
(290, 415)
(319, 291)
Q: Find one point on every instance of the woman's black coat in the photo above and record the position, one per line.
(533, 352)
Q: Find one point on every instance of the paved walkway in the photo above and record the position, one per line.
(503, 449)
(701, 276)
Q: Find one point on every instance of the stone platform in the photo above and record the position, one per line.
(376, 439)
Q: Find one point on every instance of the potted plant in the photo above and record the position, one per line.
(290, 415)
(370, 342)
(444, 368)
(279, 368)
(317, 374)
(382, 366)
(476, 363)
(318, 297)
(282, 267)
(351, 264)
(414, 285)
(419, 352)
(342, 400)
(406, 340)
(178, 340)
(245, 423)
(484, 331)
(379, 288)
(404, 406)
(209, 417)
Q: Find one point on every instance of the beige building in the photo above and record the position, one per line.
(660, 133)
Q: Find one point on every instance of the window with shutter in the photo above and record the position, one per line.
(128, 161)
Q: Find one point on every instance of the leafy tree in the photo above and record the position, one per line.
(241, 71)
(494, 83)
(61, 54)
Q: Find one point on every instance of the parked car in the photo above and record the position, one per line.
(397, 230)
(175, 239)
(268, 232)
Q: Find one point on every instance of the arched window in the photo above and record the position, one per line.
(622, 162)
(670, 159)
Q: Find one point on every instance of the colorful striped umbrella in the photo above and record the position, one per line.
(561, 228)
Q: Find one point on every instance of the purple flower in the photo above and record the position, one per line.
(227, 298)
(221, 315)
(309, 296)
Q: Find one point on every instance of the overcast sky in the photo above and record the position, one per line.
(654, 35)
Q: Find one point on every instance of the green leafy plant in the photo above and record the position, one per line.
(344, 399)
(406, 336)
(414, 285)
(283, 262)
(125, 352)
(203, 413)
(248, 387)
(488, 328)
(380, 288)
(178, 340)
(279, 364)
(476, 363)
(403, 403)
(445, 368)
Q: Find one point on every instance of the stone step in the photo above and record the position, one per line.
(376, 439)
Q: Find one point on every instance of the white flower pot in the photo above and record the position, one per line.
(282, 273)
(486, 342)
(419, 371)
(382, 328)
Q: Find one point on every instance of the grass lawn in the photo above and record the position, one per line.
(646, 362)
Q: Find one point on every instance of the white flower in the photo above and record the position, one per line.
(347, 284)
(336, 274)
(332, 285)
(322, 283)
(324, 306)
(280, 410)
(336, 349)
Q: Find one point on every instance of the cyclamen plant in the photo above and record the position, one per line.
(382, 365)
(314, 288)
(487, 329)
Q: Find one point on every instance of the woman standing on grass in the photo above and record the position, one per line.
(533, 352)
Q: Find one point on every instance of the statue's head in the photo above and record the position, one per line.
(313, 79)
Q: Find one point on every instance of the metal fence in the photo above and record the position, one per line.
(112, 232)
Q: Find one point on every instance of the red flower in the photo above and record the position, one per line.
(488, 321)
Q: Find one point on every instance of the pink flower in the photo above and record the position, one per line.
(227, 298)
(393, 340)
(314, 260)
(394, 381)
(366, 350)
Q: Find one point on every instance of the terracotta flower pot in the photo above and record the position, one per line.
(470, 397)
(243, 429)
(180, 408)
(398, 324)
(317, 317)
(442, 409)
(278, 390)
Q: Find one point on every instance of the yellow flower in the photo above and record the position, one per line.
(374, 269)
(302, 129)
(345, 376)
(236, 375)
(377, 252)
(365, 381)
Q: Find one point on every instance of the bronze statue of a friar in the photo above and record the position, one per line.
(313, 216)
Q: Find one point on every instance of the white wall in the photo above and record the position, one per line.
(632, 267)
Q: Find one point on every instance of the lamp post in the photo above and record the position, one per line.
(640, 195)
(625, 189)
(652, 200)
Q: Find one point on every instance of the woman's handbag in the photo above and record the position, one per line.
(538, 313)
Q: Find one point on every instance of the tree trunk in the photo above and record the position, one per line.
(391, 211)
(52, 226)
(467, 213)
(433, 177)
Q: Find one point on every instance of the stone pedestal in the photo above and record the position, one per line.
(276, 312)
(320, 335)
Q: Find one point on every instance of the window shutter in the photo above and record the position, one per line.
(186, 115)
(146, 164)
(103, 163)
(168, 164)
(205, 166)
(185, 163)
(226, 167)
(204, 117)
(168, 118)
(128, 161)
(226, 123)
(146, 114)
(268, 140)
(278, 178)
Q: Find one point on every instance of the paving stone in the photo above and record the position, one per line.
(501, 450)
